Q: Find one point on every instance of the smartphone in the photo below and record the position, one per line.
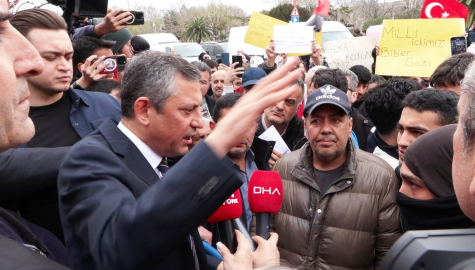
(458, 45)
(237, 58)
(137, 18)
(114, 63)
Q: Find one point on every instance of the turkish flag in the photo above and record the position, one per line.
(443, 9)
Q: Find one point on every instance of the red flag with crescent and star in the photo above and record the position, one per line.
(443, 9)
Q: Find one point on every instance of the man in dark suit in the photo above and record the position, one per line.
(117, 208)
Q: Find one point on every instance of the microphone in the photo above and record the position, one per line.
(265, 194)
(231, 209)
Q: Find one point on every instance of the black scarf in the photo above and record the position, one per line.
(435, 214)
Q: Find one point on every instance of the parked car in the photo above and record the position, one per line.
(158, 39)
(188, 50)
(215, 49)
(165, 42)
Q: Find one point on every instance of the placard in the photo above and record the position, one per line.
(346, 53)
(261, 30)
(415, 47)
(293, 38)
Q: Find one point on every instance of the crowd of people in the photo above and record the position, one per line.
(121, 170)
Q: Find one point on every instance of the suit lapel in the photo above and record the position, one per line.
(132, 157)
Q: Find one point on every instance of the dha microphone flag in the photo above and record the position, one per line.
(231, 209)
(265, 192)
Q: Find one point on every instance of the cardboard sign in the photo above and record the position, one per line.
(415, 47)
(293, 38)
(346, 53)
(261, 30)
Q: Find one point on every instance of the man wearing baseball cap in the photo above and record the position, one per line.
(250, 77)
(339, 208)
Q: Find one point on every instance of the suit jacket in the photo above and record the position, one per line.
(15, 256)
(117, 214)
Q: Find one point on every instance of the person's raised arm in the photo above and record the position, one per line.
(112, 23)
(316, 54)
(271, 55)
(271, 89)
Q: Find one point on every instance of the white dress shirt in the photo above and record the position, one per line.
(152, 157)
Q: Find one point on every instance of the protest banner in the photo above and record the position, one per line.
(415, 47)
(346, 53)
(261, 30)
(293, 38)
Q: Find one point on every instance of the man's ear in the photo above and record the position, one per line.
(212, 125)
(143, 108)
(354, 96)
(80, 67)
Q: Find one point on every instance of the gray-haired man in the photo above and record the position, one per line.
(119, 208)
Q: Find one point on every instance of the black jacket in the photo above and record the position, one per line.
(293, 134)
(360, 106)
(361, 127)
(211, 103)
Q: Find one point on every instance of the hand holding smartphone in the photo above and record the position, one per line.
(237, 58)
(114, 63)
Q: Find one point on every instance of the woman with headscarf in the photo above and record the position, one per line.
(427, 198)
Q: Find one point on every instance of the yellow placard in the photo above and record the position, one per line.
(261, 30)
(415, 47)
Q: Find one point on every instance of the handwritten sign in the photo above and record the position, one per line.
(415, 47)
(293, 38)
(346, 53)
(261, 30)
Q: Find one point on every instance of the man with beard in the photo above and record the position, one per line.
(336, 197)
(364, 76)
(217, 83)
(250, 155)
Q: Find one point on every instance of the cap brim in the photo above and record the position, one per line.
(310, 109)
(251, 82)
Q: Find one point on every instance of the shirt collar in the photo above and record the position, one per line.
(265, 127)
(77, 96)
(146, 151)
